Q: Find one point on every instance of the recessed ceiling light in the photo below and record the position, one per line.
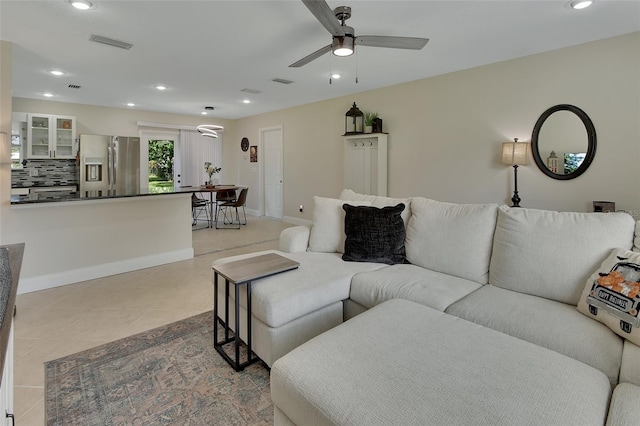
(131, 104)
(580, 4)
(161, 87)
(204, 113)
(246, 101)
(81, 4)
(335, 76)
(47, 95)
(56, 72)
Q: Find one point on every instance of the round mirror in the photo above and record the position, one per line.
(563, 143)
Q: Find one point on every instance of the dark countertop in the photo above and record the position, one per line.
(10, 265)
(61, 196)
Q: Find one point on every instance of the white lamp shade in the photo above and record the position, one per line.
(515, 154)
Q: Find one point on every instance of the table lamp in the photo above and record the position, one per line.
(515, 154)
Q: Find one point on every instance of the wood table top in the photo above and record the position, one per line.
(252, 268)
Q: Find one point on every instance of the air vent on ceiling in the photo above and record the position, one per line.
(73, 86)
(254, 91)
(282, 81)
(110, 42)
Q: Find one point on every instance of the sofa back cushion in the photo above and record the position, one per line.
(451, 238)
(379, 201)
(551, 254)
(327, 231)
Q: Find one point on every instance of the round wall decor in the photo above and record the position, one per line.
(244, 144)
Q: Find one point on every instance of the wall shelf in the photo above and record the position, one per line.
(365, 163)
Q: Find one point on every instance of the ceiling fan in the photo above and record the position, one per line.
(344, 38)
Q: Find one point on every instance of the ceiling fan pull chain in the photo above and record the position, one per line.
(356, 67)
(330, 70)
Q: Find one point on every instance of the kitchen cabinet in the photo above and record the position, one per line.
(51, 136)
(365, 163)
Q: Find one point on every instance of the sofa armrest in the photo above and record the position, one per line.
(630, 366)
(295, 239)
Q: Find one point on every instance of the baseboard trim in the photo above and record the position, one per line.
(252, 212)
(43, 282)
(297, 221)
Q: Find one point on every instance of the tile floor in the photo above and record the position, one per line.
(53, 323)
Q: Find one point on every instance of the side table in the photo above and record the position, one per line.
(238, 273)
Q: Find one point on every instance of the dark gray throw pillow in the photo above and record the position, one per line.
(374, 234)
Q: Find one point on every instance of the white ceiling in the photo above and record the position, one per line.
(207, 51)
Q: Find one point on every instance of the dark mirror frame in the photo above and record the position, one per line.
(591, 139)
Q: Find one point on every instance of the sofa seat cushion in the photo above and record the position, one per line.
(551, 254)
(625, 405)
(557, 326)
(321, 280)
(401, 363)
(451, 238)
(630, 365)
(409, 282)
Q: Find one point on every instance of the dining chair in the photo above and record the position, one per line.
(223, 197)
(199, 206)
(235, 204)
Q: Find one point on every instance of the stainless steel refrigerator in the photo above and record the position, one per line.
(110, 163)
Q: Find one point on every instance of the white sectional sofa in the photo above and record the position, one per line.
(486, 330)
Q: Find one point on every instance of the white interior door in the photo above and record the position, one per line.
(271, 142)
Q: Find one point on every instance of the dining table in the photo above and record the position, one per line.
(212, 190)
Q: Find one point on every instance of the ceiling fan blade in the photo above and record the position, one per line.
(311, 57)
(325, 15)
(414, 43)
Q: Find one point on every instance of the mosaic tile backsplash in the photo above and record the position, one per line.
(50, 173)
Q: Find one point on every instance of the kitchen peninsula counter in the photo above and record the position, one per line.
(74, 237)
(64, 196)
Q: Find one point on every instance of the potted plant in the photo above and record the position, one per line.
(211, 170)
(369, 118)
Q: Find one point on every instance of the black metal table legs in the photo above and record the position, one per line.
(236, 340)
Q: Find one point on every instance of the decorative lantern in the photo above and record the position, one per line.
(552, 162)
(354, 121)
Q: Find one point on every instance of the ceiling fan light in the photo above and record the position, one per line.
(343, 46)
(81, 4)
(580, 4)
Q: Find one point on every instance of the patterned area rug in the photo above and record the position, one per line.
(170, 375)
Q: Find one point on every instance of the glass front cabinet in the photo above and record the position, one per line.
(50, 136)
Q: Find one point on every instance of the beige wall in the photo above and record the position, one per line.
(6, 64)
(445, 132)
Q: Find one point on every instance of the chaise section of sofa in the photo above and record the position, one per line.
(401, 363)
